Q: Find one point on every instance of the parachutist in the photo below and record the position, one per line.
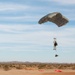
(58, 19)
(55, 44)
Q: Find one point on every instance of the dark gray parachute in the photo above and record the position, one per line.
(54, 17)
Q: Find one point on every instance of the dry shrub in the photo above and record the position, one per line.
(19, 67)
(41, 66)
(73, 68)
(6, 67)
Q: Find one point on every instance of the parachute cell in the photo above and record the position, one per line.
(54, 17)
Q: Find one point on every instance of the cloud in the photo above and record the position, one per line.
(12, 6)
(25, 34)
(4, 6)
(19, 28)
(65, 2)
(25, 39)
(20, 18)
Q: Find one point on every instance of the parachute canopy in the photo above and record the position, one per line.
(54, 17)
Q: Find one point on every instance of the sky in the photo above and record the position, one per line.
(23, 39)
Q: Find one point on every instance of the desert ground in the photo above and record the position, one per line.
(19, 68)
(36, 72)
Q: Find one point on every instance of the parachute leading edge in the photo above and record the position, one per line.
(54, 17)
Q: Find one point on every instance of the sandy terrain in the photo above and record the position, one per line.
(36, 72)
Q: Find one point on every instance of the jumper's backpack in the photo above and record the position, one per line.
(55, 44)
